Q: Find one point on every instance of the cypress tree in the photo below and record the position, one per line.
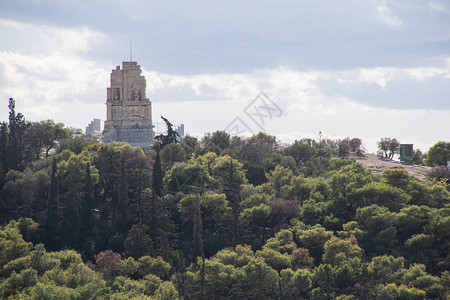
(122, 204)
(71, 216)
(3, 152)
(51, 224)
(16, 145)
(86, 241)
(197, 230)
(87, 204)
(157, 178)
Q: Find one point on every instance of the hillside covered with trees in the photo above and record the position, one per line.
(214, 218)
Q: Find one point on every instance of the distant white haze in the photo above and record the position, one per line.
(365, 68)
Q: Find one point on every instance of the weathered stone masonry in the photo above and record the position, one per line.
(128, 111)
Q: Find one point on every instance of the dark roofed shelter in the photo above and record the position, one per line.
(406, 153)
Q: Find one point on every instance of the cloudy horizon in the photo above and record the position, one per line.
(367, 69)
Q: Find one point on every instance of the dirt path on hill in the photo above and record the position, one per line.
(378, 164)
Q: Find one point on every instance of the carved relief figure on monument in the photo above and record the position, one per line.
(136, 95)
(135, 92)
(116, 95)
(132, 112)
(126, 113)
(140, 112)
(117, 113)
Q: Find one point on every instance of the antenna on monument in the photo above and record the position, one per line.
(131, 52)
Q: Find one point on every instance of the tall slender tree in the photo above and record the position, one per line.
(197, 230)
(51, 224)
(86, 226)
(122, 202)
(3, 152)
(16, 143)
(157, 176)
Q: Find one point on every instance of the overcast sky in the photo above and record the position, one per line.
(358, 68)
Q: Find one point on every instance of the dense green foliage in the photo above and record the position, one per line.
(439, 154)
(219, 218)
(388, 145)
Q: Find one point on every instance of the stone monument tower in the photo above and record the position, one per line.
(128, 111)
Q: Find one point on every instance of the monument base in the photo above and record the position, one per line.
(136, 136)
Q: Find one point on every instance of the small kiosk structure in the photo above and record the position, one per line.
(406, 153)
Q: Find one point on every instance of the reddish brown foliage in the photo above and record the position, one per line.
(107, 262)
(136, 160)
(282, 211)
(352, 240)
(301, 258)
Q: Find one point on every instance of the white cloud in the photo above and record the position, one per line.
(381, 76)
(54, 76)
(386, 16)
(423, 74)
(436, 7)
(49, 39)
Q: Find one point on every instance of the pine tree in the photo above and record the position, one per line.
(171, 137)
